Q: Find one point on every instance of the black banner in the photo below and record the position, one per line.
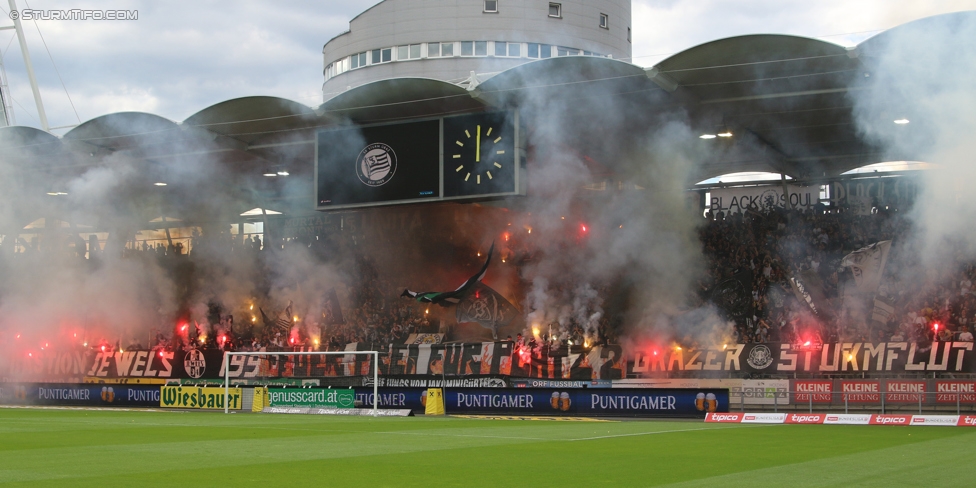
(834, 358)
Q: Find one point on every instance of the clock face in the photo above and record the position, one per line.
(479, 155)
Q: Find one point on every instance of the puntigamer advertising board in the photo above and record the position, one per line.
(311, 397)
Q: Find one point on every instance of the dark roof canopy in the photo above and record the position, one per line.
(787, 101)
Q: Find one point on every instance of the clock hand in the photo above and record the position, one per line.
(477, 146)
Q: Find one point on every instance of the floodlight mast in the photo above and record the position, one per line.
(27, 64)
(376, 369)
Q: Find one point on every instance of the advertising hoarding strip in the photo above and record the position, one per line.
(842, 419)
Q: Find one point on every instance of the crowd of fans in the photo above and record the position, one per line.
(758, 251)
(765, 249)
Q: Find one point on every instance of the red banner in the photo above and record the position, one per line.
(879, 419)
(725, 418)
(967, 421)
(816, 391)
(955, 391)
(861, 391)
(897, 391)
(805, 418)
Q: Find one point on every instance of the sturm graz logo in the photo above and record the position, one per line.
(194, 363)
(760, 357)
(376, 164)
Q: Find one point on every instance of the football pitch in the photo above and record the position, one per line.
(69, 447)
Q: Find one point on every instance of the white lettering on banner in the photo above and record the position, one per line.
(299, 396)
(386, 399)
(133, 364)
(242, 366)
(494, 401)
(814, 418)
(63, 394)
(880, 419)
(955, 391)
(632, 402)
(967, 421)
(135, 395)
(724, 417)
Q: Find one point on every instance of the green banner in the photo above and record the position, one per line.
(311, 397)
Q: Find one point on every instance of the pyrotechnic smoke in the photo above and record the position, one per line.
(920, 105)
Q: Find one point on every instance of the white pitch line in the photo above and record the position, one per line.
(472, 435)
(655, 432)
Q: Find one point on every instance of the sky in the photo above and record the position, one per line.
(179, 57)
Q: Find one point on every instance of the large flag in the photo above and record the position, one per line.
(487, 307)
(331, 312)
(883, 310)
(809, 289)
(734, 295)
(868, 265)
(283, 322)
(447, 298)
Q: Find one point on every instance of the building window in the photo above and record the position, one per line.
(357, 60)
(480, 48)
(556, 10)
(433, 49)
(605, 21)
(467, 48)
(537, 51)
(567, 51)
(408, 52)
(491, 6)
(382, 55)
(508, 49)
(447, 49)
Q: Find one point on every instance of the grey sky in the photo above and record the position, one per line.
(182, 56)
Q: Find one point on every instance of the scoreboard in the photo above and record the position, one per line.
(474, 156)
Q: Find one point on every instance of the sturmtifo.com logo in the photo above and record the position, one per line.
(376, 164)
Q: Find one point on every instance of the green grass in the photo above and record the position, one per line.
(42, 447)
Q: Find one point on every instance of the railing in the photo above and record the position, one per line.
(853, 402)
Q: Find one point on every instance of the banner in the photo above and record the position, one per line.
(832, 358)
(861, 391)
(808, 289)
(898, 391)
(762, 198)
(868, 264)
(761, 392)
(79, 394)
(424, 339)
(311, 397)
(199, 398)
(963, 392)
(613, 402)
(842, 419)
(813, 391)
(487, 307)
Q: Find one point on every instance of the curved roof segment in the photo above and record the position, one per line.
(400, 98)
(786, 100)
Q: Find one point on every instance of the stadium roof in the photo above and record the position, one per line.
(784, 98)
